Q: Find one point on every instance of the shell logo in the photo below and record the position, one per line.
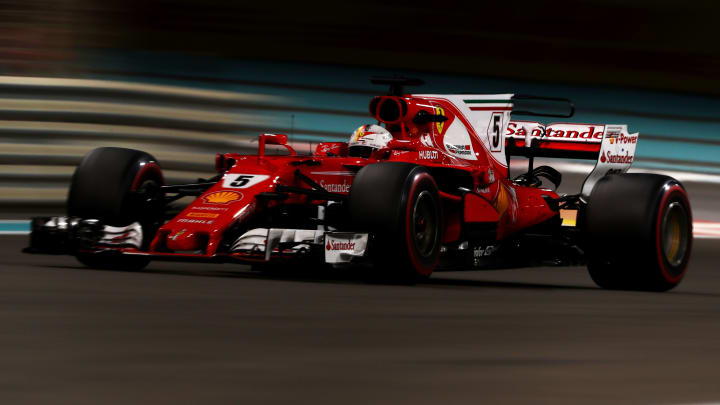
(502, 201)
(222, 197)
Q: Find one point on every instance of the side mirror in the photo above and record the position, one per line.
(273, 139)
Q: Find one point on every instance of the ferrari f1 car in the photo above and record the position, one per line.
(426, 187)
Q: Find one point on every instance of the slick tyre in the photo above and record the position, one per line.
(399, 205)
(118, 187)
(638, 230)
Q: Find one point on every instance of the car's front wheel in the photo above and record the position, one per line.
(399, 204)
(118, 187)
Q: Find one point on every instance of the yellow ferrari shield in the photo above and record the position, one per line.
(439, 125)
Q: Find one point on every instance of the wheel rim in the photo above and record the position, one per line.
(675, 234)
(424, 224)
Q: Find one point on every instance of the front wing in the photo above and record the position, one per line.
(67, 235)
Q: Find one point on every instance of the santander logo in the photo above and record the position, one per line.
(611, 158)
(331, 245)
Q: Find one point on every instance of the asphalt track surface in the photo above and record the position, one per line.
(202, 333)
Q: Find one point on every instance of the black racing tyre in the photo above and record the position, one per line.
(118, 187)
(638, 232)
(399, 205)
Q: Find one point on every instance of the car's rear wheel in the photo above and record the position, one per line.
(118, 187)
(399, 204)
(638, 232)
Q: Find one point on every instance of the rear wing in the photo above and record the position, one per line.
(611, 146)
(562, 140)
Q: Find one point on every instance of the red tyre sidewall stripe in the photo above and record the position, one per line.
(658, 236)
(425, 271)
(149, 167)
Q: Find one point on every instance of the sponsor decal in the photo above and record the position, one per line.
(622, 138)
(201, 215)
(572, 134)
(458, 149)
(332, 148)
(514, 129)
(426, 140)
(343, 247)
(610, 157)
(337, 245)
(222, 197)
(335, 187)
(617, 153)
(243, 180)
(483, 251)
(195, 221)
(206, 208)
(612, 135)
(566, 132)
(439, 125)
(505, 199)
(428, 154)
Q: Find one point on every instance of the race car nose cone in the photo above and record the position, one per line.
(183, 240)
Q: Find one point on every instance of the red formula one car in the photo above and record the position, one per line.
(427, 187)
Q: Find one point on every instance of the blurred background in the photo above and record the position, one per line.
(184, 80)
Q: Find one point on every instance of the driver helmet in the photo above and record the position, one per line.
(367, 139)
